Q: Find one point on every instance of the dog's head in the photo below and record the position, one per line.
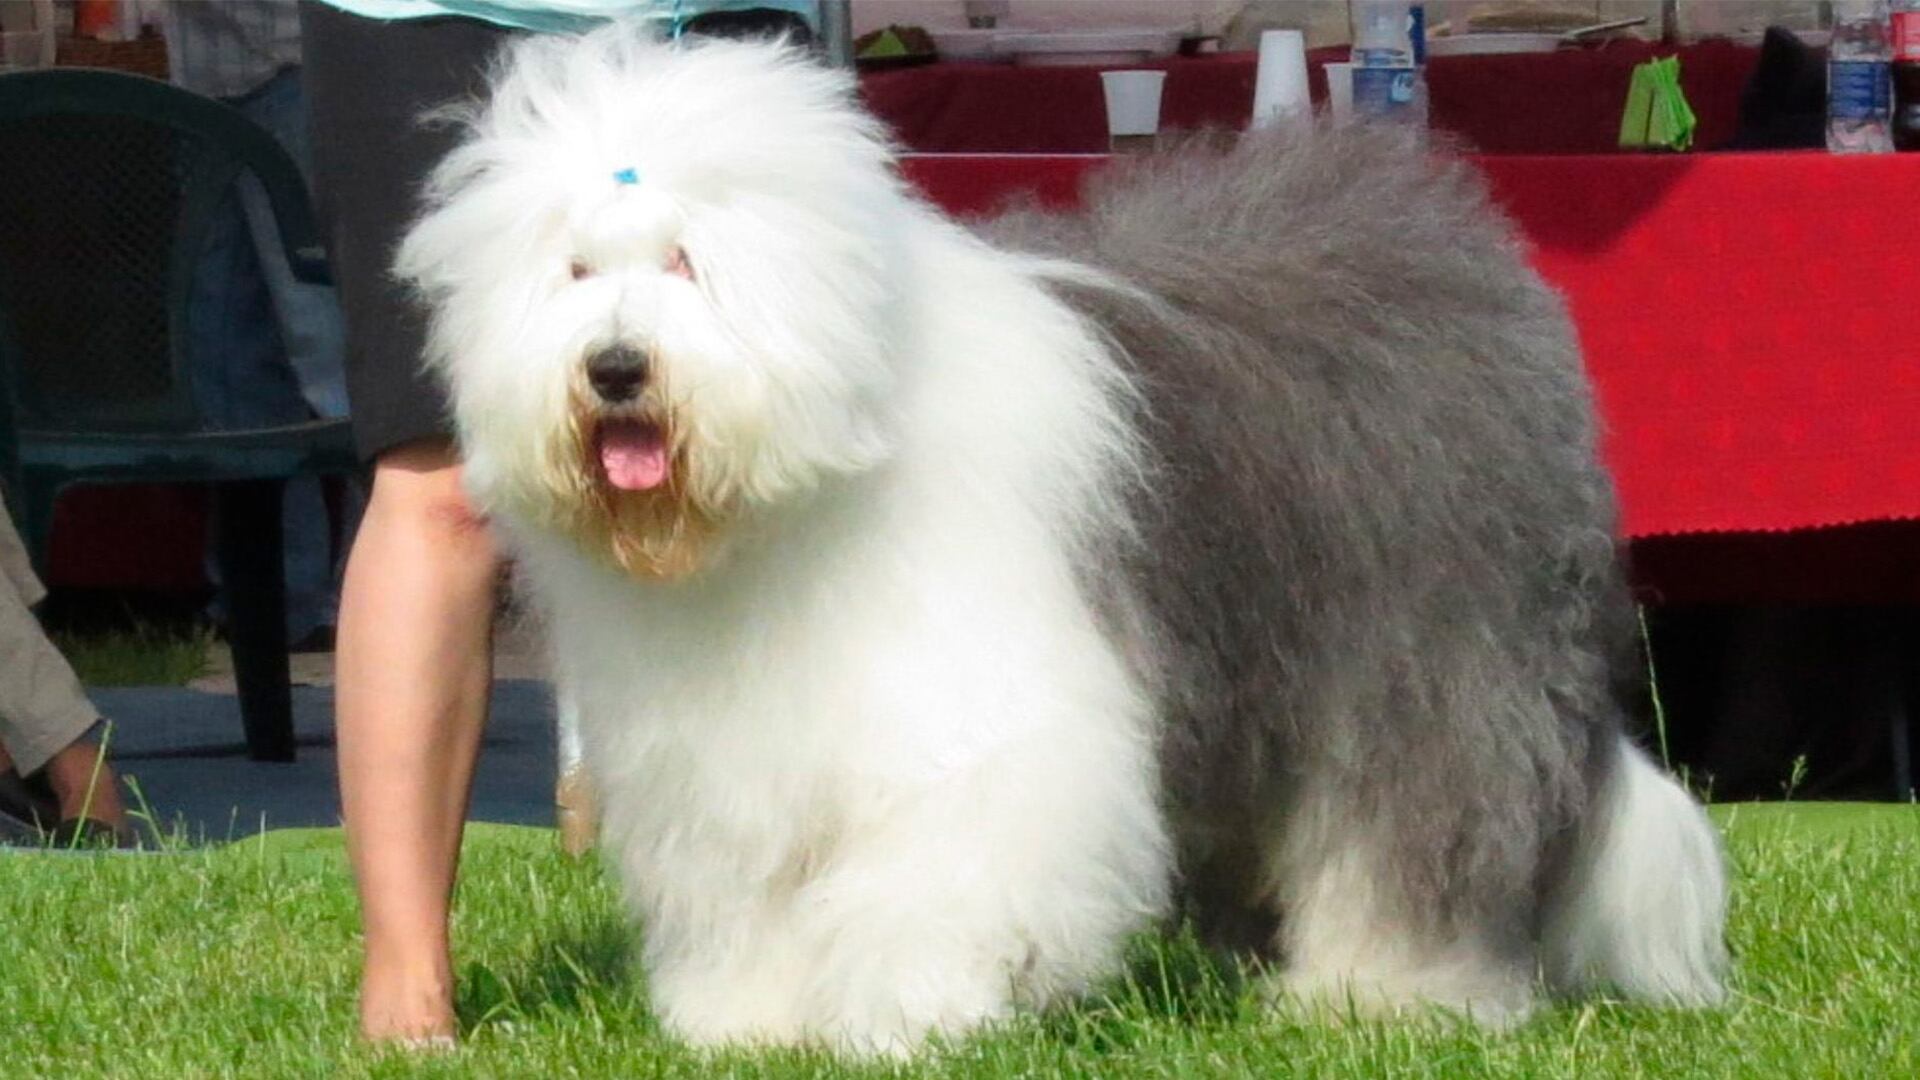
(659, 278)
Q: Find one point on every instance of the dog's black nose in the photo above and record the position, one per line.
(617, 373)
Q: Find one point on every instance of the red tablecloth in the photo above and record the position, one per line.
(142, 536)
(1751, 323)
(1546, 103)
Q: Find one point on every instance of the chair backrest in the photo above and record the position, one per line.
(108, 184)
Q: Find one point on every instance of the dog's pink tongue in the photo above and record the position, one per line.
(633, 455)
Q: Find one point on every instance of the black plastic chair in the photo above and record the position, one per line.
(108, 184)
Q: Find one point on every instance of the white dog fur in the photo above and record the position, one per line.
(895, 728)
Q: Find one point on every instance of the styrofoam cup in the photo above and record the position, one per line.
(1280, 79)
(1133, 101)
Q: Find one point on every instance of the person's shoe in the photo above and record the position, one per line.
(30, 817)
(89, 834)
(15, 832)
(25, 805)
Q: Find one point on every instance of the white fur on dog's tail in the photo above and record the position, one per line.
(1641, 907)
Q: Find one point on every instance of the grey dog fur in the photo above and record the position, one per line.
(1376, 558)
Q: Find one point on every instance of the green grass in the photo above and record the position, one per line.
(140, 656)
(241, 962)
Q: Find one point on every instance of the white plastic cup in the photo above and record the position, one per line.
(1340, 91)
(1133, 102)
(1280, 80)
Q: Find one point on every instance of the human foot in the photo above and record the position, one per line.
(407, 1005)
(85, 786)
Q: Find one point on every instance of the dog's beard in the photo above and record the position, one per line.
(660, 531)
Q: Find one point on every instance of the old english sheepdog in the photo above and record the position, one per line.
(944, 606)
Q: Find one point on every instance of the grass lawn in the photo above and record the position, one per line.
(137, 656)
(240, 962)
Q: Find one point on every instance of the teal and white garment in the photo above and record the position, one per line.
(569, 16)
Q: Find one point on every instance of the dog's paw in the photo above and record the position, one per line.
(876, 1031)
(895, 1016)
(1492, 1000)
(711, 1010)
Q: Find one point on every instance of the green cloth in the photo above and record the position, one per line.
(1657, 115)
(886, 45)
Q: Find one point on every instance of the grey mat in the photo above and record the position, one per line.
(184, 750)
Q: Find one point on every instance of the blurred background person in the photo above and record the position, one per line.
(271, 345)
(55, 784)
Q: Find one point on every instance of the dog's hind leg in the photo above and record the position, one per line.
(1641, 907)
(1362, 933)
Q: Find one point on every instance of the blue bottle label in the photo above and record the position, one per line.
(1856, 89)
(1379, 91)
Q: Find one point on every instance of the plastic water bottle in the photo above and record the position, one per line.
(1906, 75)
(1387, 79)
(1859, 80)
(1417, 32)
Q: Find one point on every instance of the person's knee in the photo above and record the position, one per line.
(417, 488)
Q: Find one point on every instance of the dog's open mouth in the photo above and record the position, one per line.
(633, 454)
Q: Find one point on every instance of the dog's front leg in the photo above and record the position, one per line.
(732, 988)
(868, 955)
(1007, 887)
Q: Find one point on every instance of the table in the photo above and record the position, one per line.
(1565, 102)
(1710, 292)
(1751, 323)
